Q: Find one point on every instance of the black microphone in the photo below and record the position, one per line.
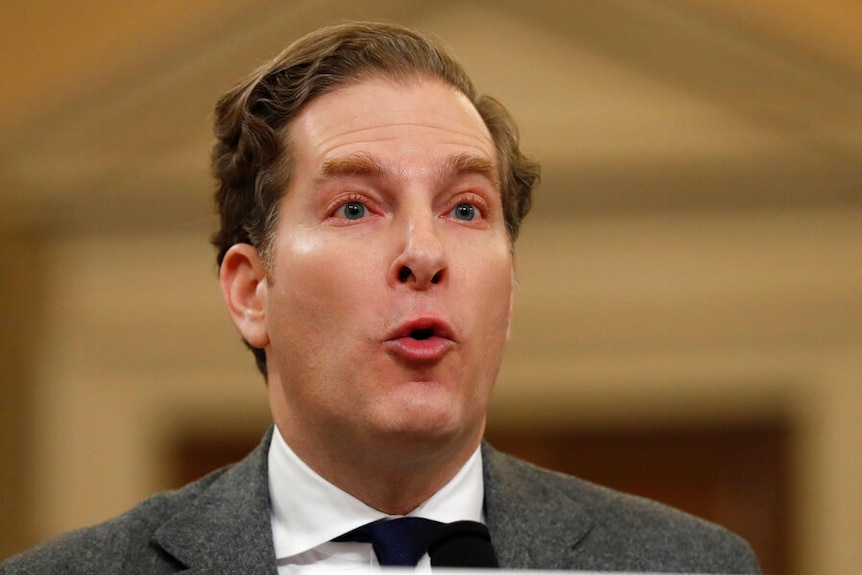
(462, 544)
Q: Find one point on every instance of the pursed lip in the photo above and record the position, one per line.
(424, 339)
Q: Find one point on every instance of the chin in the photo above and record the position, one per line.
(428, 411)
(431, 425)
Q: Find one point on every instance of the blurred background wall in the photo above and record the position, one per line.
(690, 277)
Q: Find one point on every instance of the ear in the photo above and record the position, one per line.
(242, 277)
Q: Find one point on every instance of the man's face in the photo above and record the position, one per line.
(388, 302)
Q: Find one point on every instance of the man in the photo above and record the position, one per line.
(369, 203)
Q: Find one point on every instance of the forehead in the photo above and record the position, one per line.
(409, 123)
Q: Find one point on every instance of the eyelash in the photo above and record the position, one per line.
(469, 198)
(473, 200)
(342, 201)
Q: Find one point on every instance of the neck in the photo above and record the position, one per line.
(394, 478)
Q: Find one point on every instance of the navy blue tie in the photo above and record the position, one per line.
(401, 541)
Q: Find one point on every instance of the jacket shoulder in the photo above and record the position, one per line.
(119, 545)
(608, 530)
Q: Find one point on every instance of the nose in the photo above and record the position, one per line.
(422, 261)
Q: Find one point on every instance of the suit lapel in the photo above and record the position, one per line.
(226, 529)
(533, 525)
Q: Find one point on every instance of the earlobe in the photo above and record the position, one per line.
(242, 278)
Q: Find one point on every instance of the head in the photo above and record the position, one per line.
(253, 156)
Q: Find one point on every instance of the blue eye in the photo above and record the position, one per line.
(352, 210)
(464, 212)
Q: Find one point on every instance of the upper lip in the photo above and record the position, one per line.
(425, 327)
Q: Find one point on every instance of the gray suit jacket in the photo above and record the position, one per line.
(538, 520)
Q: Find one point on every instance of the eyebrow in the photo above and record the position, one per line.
(366, 165)
(360, 164)
(463, 164)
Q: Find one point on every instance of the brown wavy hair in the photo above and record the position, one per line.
(251, 155)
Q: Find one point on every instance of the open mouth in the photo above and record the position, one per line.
(422, 334)
(423, 340)
(422, 329)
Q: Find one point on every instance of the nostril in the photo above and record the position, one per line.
(404, 274)
(436, 278)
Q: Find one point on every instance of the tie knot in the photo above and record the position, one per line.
(402, 541)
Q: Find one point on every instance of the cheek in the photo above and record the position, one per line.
(493, 280)
(306, 297)
(319, 289)
(490, 297)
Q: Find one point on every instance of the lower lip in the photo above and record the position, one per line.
(420, 350)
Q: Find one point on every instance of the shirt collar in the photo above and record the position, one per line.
(307, 510)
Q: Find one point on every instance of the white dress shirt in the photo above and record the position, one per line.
(308, 512)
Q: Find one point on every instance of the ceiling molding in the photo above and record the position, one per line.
(632, 106)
